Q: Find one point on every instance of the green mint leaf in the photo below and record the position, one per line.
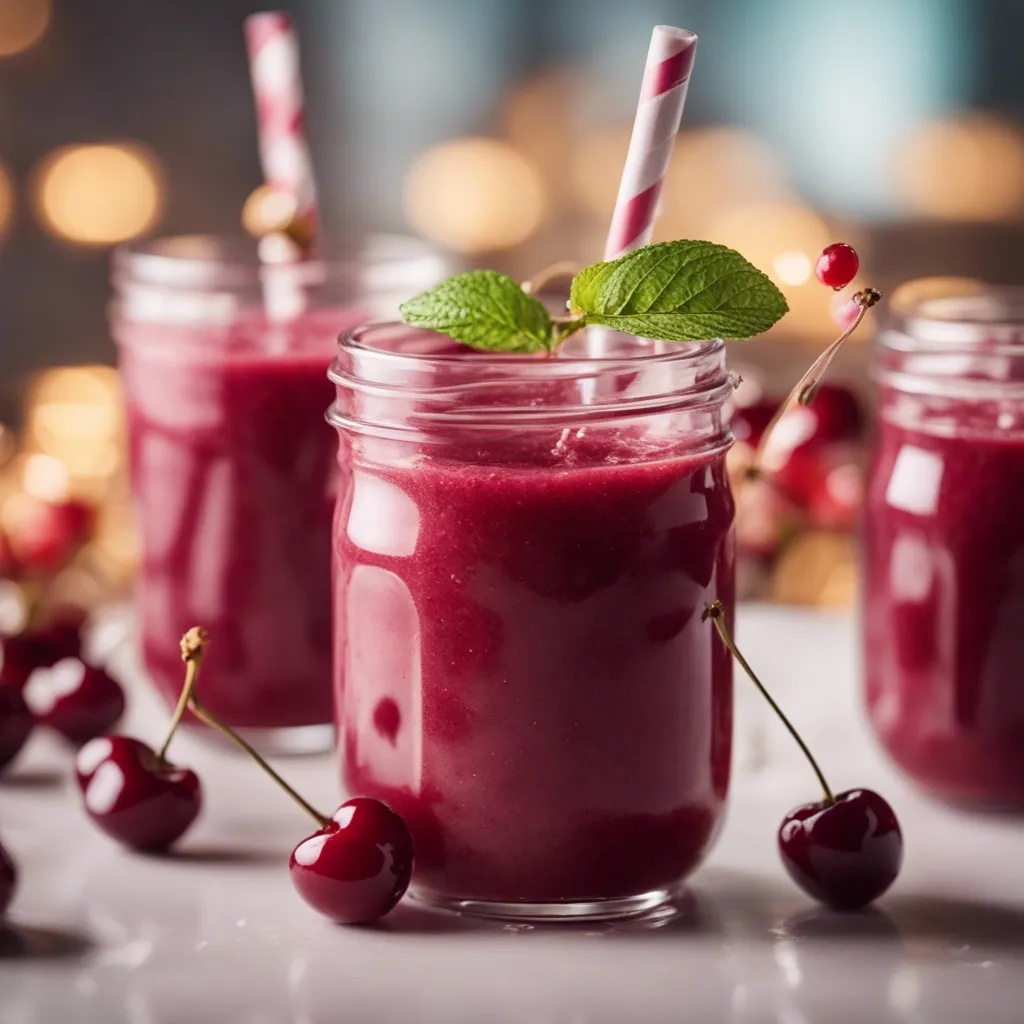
(484, 309)
(679, 291)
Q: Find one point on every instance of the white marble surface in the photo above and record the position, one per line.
(216, 934)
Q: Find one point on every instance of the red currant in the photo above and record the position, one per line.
(837, 265)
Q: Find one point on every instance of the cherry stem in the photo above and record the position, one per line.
(193, 650)
(222, 727)
(716, 613)
(808, 385)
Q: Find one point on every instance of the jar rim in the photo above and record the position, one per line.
(646, 352)
(948, 312)
(500, 391)
(953, 338)
(208, 262)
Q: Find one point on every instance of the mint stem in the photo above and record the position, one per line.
(716, 612)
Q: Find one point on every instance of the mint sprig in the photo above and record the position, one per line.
(670, 291)
(484, 309)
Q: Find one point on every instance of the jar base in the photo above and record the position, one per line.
(288, 741)
(548, 912)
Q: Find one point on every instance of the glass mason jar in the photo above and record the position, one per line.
(522, 552)
(944, 596)
(233, 469)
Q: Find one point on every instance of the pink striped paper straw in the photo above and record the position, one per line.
(277, 85)
(284, 155)
(666, 78)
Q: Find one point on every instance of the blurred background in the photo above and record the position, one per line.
(498, 129)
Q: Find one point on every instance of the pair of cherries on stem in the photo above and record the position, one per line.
(844, 850)
(353, 869)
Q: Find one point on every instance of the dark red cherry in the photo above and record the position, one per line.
(47, 538)
(144, 803)
(356, 868)
(837, 265)
(20, 656)
(844, 854)
(62, 635)
(8, 563)
(16, 723)
(8, 881)
(77, 700)
(838, 415)
(748, 422)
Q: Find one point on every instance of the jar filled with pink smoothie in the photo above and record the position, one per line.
(944, 600)
(522, 552)
(234, 471)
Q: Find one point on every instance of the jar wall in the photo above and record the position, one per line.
(521, 668)
(944, 535)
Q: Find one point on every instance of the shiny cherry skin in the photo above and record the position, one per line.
(8, 881)
(20, 656)
(844, 854)
(48, 538)
(8, 563)
(16, 723)
(75, 699)
(837, 265)
(748, 422)
(142, 802)
(62, 636)
(356, 868)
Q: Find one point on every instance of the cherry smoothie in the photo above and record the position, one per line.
(234, 471)
(521, 668)
(945, 608)
(944, 600)
(234, 476)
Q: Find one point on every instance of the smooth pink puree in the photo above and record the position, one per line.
(945, 609)
(522, 672)
(234, 477)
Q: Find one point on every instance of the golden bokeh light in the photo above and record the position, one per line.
(595, 165)
(45, 478)
(538, 119)
(783, 240)
(475, 195)
(267, 209)
(967, 168)
(7, 201)
(73, 416)
(792, 267)
(99, 195)
(713, 171)
(22, 24)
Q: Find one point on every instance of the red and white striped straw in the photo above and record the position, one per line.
(662, 96)
(277, 85)
(284, 153)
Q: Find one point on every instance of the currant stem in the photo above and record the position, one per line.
(807, 386)
(210, 719)
(716, 613)
(193, 650)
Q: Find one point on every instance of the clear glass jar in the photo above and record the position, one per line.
(522, 553)
(233, 469)
(944, 595)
